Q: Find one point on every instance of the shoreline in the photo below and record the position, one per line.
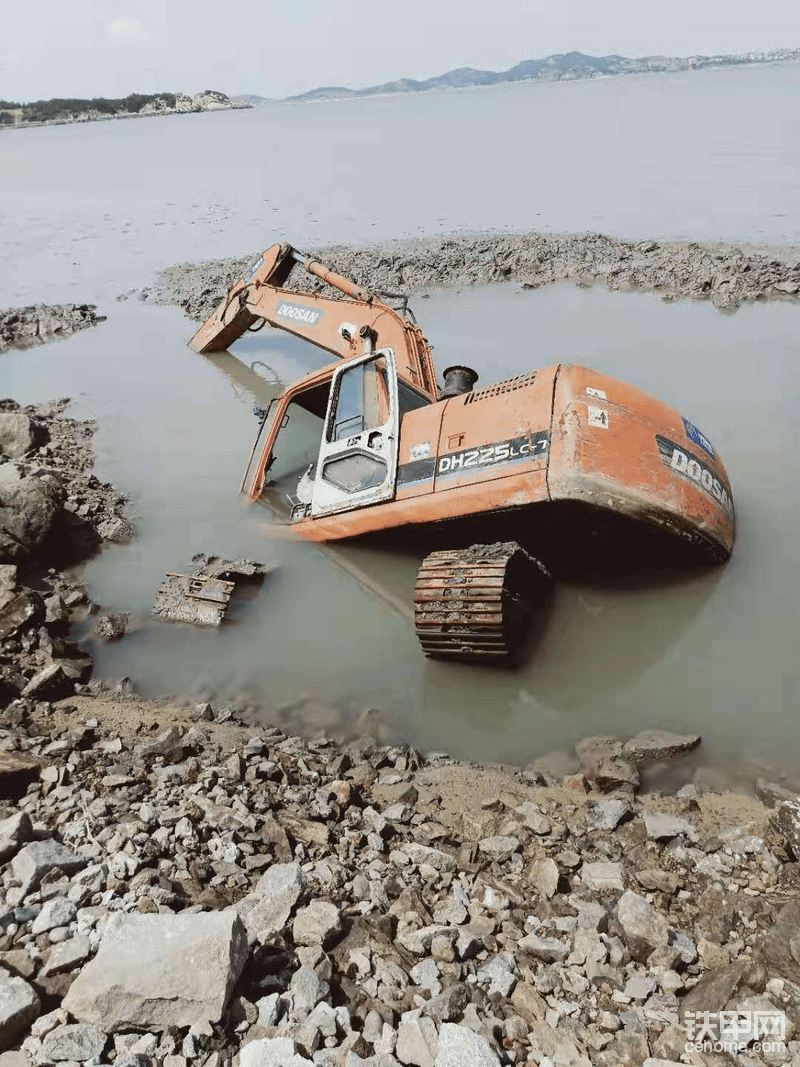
(112, 118)
(726, 274)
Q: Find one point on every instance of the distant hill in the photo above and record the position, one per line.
(567, 66)
(251, 100)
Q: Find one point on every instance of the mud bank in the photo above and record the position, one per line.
(358, 904)
(724, 274)
(54, 513)
(22, 327)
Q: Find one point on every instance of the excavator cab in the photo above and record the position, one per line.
(332, 444)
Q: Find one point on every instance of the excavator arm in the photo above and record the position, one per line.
(348, 327)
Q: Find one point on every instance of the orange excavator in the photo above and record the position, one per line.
(558, 464)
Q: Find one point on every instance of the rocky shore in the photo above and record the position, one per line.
(724, 274)
(54, 513)
(34, 325)
(178, 888)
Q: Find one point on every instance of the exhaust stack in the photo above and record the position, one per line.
(458, 380)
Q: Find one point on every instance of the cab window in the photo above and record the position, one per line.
(296, 446)
(362, 400)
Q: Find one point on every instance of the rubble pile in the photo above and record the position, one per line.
(54, 512)
(724, 274)
(180, 889)
(34, 325)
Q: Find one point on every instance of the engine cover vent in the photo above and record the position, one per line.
(507, 386)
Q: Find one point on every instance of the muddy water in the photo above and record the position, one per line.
(90, 210)
(715, 652)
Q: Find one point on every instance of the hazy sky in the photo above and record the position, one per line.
(90, 48)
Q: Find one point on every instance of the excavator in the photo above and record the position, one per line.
(499, 485)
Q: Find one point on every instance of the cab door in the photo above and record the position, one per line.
(358, 456)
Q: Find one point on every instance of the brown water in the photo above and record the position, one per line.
(715, 653)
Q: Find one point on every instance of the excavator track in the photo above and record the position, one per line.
(476, 603)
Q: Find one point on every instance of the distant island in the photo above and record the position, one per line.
(58, 111)
(569, 66)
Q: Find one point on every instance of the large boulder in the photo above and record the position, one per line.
(29, 504)
(19, 1006)
(19, 434)
(158, 972)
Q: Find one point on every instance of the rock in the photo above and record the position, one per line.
(460, 1047)
(68, 955)
(533, 818)
(117, 530)
(417, 1041)
(498, 848)
(307, 990)
(21, 612)
(771, 794)
(154, 972)
(19, 434)
(449, 1004)
(271, 1052)
(644, 929)
(74, 1042)
(15, 831)
(607, 814)
(716, 988)
(318, 924)
(37, 859)
(527, 1003)
(614, 772)
(787, 823)
(16, 773)
(168, 744)
(434, 857)
(602, 877)
(51, 683)
(780, 949)
(662, 827)
(651, 746)
(19, 1006)
(29, 505)
(544, 877)
(602, 762)
(112, 626)
(592, 750)
(657, 880)
(266, 911)
(57, 912)
(549, 949)
(639, 987)
(33, 325)
(14, 1059)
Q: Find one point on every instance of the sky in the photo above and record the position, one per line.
(86, 48)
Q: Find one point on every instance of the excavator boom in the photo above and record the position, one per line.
(348, 328)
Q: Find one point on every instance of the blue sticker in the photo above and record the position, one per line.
(258, 263)
(699, 438)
